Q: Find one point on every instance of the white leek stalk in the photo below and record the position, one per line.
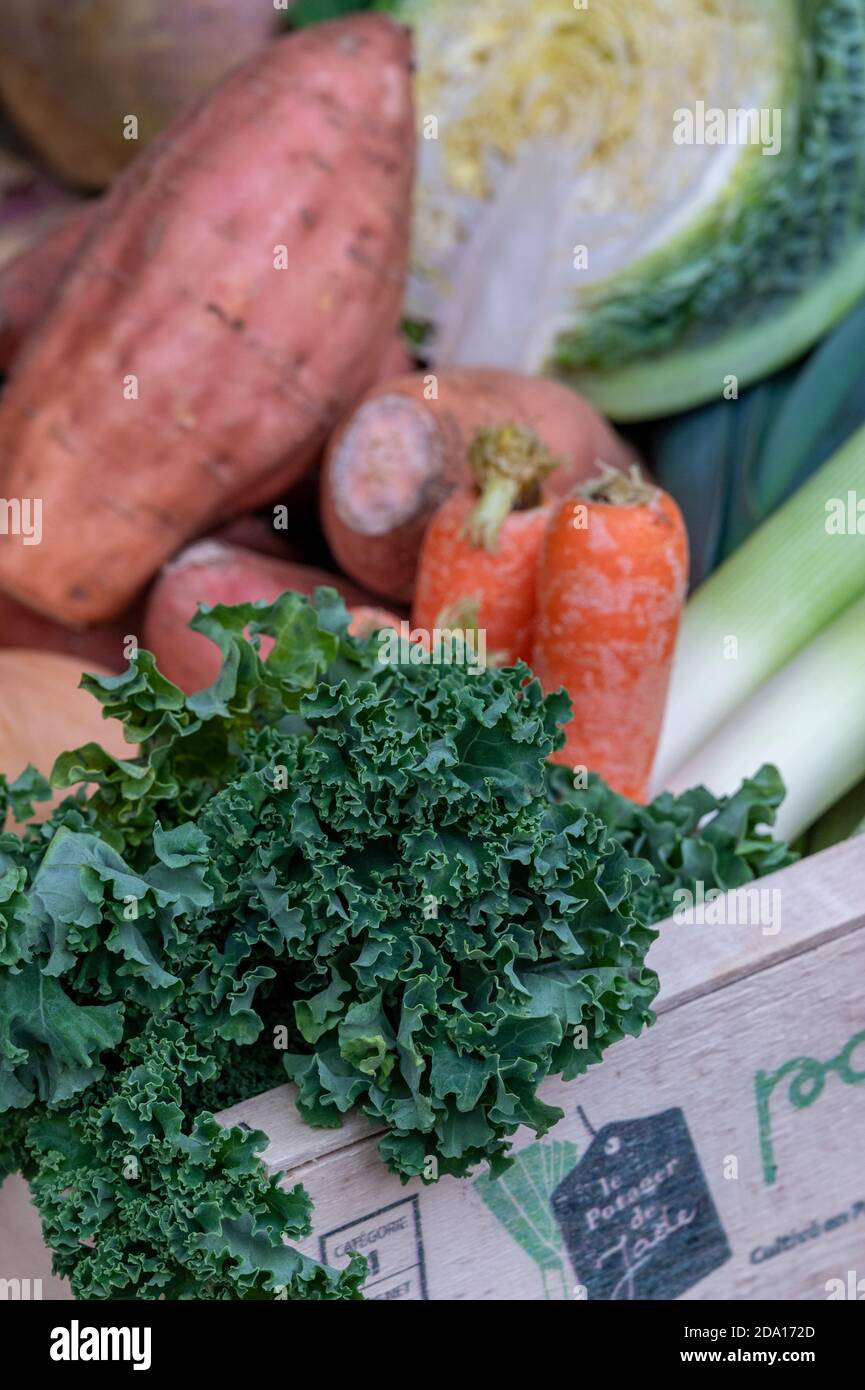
(772, 597)
(809, 720)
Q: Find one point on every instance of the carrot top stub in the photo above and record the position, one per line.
(508, 465)
(619, 489)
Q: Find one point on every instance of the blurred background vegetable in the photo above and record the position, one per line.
(42, 708)
(31, 203)
(731, 464)
(73, 74)
(808, 720)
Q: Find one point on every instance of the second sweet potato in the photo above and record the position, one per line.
(403, 450)
(213, 572)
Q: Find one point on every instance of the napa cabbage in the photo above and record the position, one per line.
(565, 222)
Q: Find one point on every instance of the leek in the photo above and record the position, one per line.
(808, 720)
(772, 597)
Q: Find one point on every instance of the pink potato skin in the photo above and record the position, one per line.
(241, 369)
(214, 572)
(30, 281)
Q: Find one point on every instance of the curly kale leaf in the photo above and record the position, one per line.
(137, 1201)
(376, 863)
(721, 842)
(191, 746)
(442, 937)
(50, 1046)
(19, 796)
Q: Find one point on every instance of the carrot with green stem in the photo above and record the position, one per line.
(481, 547)
(612, 580)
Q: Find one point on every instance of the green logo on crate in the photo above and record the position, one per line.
(807, 1080)
(521, 1200)
(634, 1217)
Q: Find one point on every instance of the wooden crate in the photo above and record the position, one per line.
(720, 1155)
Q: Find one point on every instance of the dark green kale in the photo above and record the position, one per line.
(721, 842)
(367, 874)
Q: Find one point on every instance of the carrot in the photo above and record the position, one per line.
(612, 581)
(405, 448)
(480, 552)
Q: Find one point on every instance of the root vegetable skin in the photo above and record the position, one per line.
(256, 533)
(241, 368)
(365, 620)
(31, 203)
(70, 74)
(30, 282)
(43, 713)
(212, 572)
(479, 560)
(498, 587)
(397, 360)
(399, 455)
(610, 596)
(21, 627)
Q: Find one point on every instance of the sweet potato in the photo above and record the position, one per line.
(256, 533)
(397, 360)
(31, 203)
(73, 71)
(394, 360)
(21, 627)
(182, 369)
(365, 620)
(32, 279)
(396, 458)
(213, 572)
(43, 713)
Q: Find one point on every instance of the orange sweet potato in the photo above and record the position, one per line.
(366, 620)
(43, 713)
(213, 572)
(182, 368)
(21, 627)
(396, 458)
(32, 279)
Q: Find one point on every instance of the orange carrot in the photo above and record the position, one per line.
(480, 552)
(612, 579)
